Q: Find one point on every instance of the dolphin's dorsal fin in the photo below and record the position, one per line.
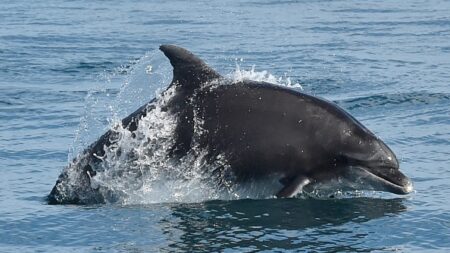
(188, 70)
(189, 73)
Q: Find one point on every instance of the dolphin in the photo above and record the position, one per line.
(261, 130)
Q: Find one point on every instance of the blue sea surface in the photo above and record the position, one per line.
(386, 62)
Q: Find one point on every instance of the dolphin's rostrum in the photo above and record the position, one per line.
(260, 130)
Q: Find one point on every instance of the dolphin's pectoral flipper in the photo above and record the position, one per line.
(292, 186)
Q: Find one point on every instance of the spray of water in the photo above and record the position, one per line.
(262, 76)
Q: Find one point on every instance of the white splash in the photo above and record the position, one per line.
(240, 75)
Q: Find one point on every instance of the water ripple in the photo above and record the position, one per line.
(398, 99)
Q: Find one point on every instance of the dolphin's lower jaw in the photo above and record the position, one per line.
(388, 180)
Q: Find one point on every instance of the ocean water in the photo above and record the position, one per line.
(69, 68)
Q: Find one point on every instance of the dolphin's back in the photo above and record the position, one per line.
(257, 124)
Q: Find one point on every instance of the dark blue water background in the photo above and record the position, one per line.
(386, 62)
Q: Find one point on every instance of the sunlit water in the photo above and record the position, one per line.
(69, 70)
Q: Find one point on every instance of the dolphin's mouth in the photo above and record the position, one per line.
(384, 179)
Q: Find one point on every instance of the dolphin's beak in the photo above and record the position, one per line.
(385, 179)
(378, 169)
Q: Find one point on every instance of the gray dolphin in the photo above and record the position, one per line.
(261, 130)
